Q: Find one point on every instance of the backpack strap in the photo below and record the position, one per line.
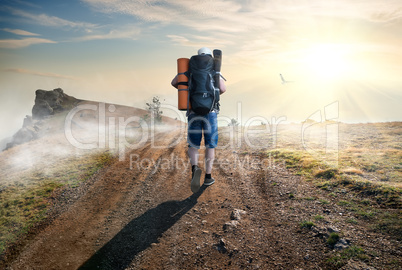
(188, 95)
(183, 83)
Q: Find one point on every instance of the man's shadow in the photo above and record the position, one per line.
(140, 233)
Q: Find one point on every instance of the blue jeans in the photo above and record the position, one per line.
(202, 124)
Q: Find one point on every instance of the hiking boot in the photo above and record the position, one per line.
(209, 181)
(195, 181)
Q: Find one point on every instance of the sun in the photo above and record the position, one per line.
(326, 61)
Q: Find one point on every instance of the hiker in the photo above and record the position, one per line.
(198, 125)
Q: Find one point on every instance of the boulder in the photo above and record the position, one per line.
(342, 244)
(230, 225)
(236, 214)
(47, 102)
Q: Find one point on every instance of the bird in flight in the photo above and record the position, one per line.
(283, 80)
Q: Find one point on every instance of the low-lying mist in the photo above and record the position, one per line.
(54, 153)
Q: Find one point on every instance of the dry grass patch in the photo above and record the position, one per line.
(370, 197)
(26, 198)
(353, 171)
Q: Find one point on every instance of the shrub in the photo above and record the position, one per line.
(326, 174)
(307, 224)
(333, 238)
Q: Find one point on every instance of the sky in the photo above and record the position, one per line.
(339, 52)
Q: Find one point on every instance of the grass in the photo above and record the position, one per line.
(390, 222)
(25, 201)
(352, 221)
(322, 201)
(22, 208)
(310, 198)
(326, 174)
(333, 239)
(328, 178)
(366, 166)
(343, 203)
(319, 217)
(306, 224)
(369, 196)
(341, 258)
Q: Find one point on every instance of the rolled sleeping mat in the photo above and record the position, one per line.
(182, 67)
(217, 67)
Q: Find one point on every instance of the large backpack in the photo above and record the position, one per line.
(204, 97)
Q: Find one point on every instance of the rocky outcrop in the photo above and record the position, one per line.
(24, 135)
(47, 103)
(41, 109)
(28, 132)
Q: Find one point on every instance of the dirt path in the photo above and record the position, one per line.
(145, 217)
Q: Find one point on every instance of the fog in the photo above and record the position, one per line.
(15, 105)
(88, 129)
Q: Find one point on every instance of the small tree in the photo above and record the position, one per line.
(154, 109)
(233, 123)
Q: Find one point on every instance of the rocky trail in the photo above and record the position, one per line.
(140, 214)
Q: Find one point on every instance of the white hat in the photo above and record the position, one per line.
(204, 50)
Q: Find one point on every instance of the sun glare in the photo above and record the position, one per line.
(326, 61)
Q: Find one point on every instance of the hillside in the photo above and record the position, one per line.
(274, 205)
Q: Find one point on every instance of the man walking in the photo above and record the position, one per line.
(202, 125)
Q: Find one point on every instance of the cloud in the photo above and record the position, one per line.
(219, 16)
(150, 11)
(179, 39)
(21, 43)
(53, 21)
(130, 32)
(369, 10)
(241, 16)
(37, 73)
(194, 41)
(387, 16)
(255, 32)
(92, 31)
(20, 32)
